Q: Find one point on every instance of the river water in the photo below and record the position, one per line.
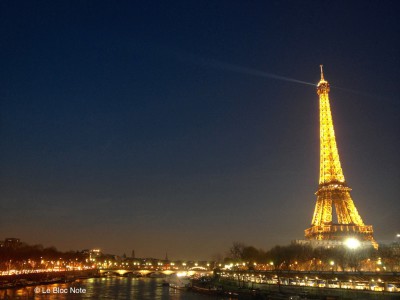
(104, 288)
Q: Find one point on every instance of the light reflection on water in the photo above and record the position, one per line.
(105, 288)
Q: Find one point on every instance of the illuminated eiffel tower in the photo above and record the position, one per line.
(333, 190)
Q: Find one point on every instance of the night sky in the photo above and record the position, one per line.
(157, 126)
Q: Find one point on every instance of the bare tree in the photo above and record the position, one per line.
(236, 251)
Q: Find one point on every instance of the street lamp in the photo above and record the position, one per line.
(332, 264)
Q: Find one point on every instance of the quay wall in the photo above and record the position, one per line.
(314, 292)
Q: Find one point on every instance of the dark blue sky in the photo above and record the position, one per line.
(123, 126)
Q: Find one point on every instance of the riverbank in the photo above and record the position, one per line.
(224, 287)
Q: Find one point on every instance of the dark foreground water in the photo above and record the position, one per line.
(104, 288)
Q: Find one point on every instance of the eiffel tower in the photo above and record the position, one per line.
(333, 190)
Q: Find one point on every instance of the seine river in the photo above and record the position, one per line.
(104, 288)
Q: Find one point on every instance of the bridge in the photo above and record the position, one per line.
(150, 272)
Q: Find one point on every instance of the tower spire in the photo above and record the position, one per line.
(322, 73)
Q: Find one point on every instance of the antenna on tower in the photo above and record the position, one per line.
(322, 72)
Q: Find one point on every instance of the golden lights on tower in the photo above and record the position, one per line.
(330, 168)
(333, 190)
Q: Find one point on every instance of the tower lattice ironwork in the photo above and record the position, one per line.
(333, 190)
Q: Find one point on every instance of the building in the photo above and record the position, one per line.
(12, 243)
